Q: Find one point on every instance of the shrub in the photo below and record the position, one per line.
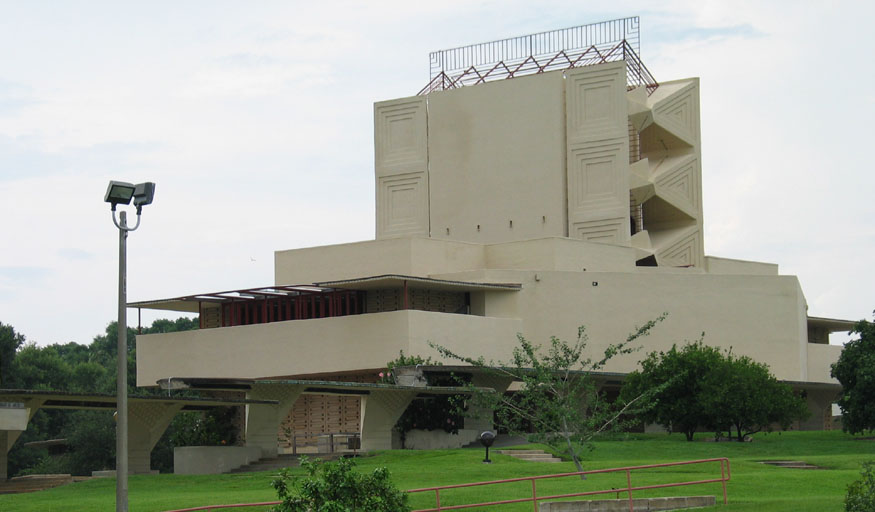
(861, 493)
(336, 487)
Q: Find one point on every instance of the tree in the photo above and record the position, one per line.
(855, 370)
(336, 487)
(40, 368)
(743, 394)
(10, 342)
(684, 377)
(704, 388)
(558, 398)
(861, 493)
(79, 369)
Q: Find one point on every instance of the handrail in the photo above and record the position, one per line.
(725, 476)
(637, 74)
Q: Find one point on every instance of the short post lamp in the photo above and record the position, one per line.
(117, 193)
(486, 439)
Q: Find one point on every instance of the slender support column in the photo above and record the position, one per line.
(263, 421)
(4, 458)
(380, 410)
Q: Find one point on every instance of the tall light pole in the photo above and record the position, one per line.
(120, 192)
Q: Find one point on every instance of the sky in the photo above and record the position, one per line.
(254, 119)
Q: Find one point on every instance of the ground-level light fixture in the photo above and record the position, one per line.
(486, 439)
(122, 192)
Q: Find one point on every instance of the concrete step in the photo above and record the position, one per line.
(33, 483)
(531, 455)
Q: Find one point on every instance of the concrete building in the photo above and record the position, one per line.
(554, 186)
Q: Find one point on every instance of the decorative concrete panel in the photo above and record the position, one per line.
(595, 177)
(596, 102)
(597, 141)
(679, 113)
(402, 205)
(684, 251)
(607, 231)
(680, 186)
(401, 166)
(598, 192)
(400, 134)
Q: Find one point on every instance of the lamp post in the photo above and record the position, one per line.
(120, 192)
(486, 439)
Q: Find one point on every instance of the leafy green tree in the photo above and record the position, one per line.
(336, 487)
(40, 368)
(685, 376)
(558, 398)
(704, 388)
(90, 437)
(10, 342)
(855, 370)
(861, 493)
(743, 394)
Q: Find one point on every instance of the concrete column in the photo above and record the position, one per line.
(13, 421)
(380, 410)
(820, 406)
(480, 418)
(147, 422)
(263, 421)
(4, 458)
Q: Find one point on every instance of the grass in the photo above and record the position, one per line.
(754, 486)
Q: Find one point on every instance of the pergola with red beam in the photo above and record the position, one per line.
(266, 304)
(299, 302)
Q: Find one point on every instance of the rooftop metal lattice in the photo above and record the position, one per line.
(565, 48)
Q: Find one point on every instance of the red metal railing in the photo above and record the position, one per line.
(724, 477)
(534, 499)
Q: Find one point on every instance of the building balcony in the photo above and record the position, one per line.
(318, 345)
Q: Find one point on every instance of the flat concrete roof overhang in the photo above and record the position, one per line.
(398, 280)
(65, 400)
(191, 303)
(320, 387)
(611, 377)
(831, 324)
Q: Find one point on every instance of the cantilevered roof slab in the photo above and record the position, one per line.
(398, 281)
(100, 401)
(191, 303)
(831, 324)
(310, 386)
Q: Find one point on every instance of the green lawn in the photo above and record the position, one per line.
(754, 486)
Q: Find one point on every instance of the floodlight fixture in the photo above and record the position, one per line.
(143, 194)
(119, 192)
